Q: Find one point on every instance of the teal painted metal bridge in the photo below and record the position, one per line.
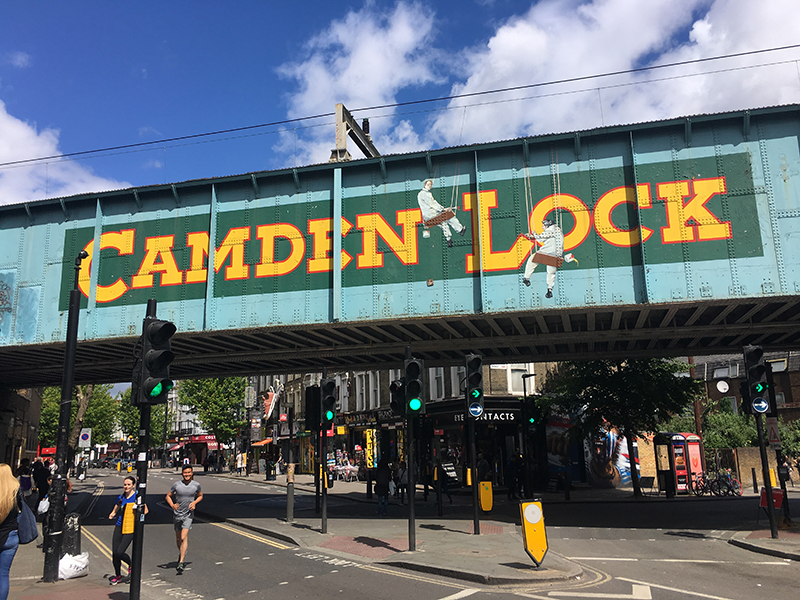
(668, 238)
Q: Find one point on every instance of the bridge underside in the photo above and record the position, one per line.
(617, 332)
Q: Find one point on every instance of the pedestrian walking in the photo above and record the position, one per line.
(239, 461)
(402, 481)
(40, 480)
(383, 476)
(124, 511)
(182, 498)
(9, 537)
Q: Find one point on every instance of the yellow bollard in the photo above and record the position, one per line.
(534, 534)
(118, 467)
(772, 478)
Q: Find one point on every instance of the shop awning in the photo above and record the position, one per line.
(176, 447)
(263, 442)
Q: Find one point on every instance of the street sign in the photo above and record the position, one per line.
(249, 396)
(85, 439)
(534, 535)
(773, 433)
(760, 405)
(476, 409)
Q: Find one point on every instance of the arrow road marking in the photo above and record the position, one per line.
(638, 592)
(461, 594)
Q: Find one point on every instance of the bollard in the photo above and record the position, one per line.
(755, 481)
(369, 484)
(72, 535)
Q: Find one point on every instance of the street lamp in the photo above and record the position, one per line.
(58, 488)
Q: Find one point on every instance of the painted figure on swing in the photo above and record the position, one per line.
(551, 254)
(434, 214)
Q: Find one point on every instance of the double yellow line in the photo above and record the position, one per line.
(105, 550)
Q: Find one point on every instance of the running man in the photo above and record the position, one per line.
(182, 498)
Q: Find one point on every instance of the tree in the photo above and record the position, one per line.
(99, 413)
(129, 418)
(721, 427)
(634, 396)
(217, 403)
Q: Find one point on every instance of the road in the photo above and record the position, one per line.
(640, 554)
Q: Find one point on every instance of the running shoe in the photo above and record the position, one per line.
(115, 580)
(180, 567)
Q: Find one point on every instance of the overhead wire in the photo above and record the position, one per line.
(289, 121)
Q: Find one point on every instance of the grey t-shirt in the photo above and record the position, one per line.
(183, 494)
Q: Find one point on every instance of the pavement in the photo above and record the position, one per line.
(445, 546)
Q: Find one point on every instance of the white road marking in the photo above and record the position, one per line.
(462, 594)
(681, 560)
(638, 592)
(672, 589)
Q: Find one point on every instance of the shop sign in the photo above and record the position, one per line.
(491, 415)
(438, 432)
(283, 418)
(359, 419)
(369, 435)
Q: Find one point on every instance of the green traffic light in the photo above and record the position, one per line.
(415, 404)
(329, 415)
(160, 388)
(760, 387)
(476, 394)
(531, 420)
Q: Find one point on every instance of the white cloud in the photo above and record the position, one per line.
(556, 40)
(364, 59)
(18, 59)
(553, 40)
(24, 183)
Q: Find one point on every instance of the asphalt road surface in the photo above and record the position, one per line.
(636, 562)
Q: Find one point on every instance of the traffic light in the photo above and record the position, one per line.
(747, 401)
(154, 381)
(474, 385)
(398, 401)
(312, 408)
(328, 402)
(414, 387)
(756, 371)
(531, 415)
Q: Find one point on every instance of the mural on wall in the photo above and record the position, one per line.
(281, 243)
(608, 463)
(434, 214)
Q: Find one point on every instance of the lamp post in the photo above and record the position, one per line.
(58, 489)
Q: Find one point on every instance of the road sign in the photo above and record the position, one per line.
(476, 409)
(773, 433)
(85, 439)
(534, 535)
(760, 405)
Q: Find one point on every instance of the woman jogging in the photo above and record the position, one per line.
(123, 528)
(9, 538)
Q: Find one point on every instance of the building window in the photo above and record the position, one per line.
(361, 390)
(780, 398)
(374, 390)
(515, 374)
(457, 375)
(721, 372)
(436, 386)
(778, 365)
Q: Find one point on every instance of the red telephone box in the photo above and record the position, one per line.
(679, 457)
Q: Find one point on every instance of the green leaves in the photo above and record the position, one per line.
(217, 403)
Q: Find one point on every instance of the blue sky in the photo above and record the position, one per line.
(87, 75)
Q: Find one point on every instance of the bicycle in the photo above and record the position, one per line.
(700, 484)
(734, 485)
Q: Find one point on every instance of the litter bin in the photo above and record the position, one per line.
(270, 471)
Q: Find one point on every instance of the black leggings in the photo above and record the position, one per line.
(119, 544)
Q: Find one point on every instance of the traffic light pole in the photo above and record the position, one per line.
(323, 461)
(476, 519)
(141, 484)
(54, 540)
(412, 486)
(773, 524)
(290, 470)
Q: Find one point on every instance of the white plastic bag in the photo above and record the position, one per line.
(44, 506)
(71, 566)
